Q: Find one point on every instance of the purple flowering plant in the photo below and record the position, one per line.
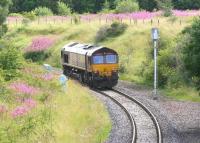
(40, 44)
(23, 88)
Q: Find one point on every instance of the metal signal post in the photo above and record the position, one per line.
(155, 37)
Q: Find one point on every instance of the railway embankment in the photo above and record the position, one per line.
(179, 120)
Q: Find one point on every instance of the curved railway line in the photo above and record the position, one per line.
(145, 127)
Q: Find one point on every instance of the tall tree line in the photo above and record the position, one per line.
(79, 6)
(93, 6)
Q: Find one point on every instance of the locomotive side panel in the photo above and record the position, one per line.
(77, 61)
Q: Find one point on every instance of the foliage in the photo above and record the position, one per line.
(30, 15)
(186, 4)
(63, 9)
(114, 30)
(10, 61)
(148, 5)
(191, 51)
(106, 7)
(166, 6)
(37, 50)
(43, 11)
(4, 10)
(126, 6)
(167, 65)
(15, 14)
(83, 6)
(3, 29)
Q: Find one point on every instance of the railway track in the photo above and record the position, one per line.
(145, 127)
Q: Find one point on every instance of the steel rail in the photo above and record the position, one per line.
(133, 124)
(154, 119)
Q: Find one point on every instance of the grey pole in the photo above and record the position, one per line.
(155, 67)
(155, 37)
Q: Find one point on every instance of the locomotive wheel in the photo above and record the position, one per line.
(65, 72)
(81, 79)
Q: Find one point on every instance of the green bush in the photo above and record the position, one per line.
(11, 61)
(1, 76)
(30, 15)
(63, 9)
(168, 74)
(43, 11)
(125, 6)
(37, 56)
(114, 30)
(3, 29)
(16, 14)
(191, 51)
(166, 6)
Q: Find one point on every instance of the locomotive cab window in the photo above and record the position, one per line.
(111, 59)
(98, 59)
(66, 58)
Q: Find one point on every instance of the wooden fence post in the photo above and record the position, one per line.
(151, 21)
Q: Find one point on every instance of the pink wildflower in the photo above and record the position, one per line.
(23, 88)
(40, 44)
(2, 109)
(30, 103)
(182, 13)
(47, 77)
(20, 111)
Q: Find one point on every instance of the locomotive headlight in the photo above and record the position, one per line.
(114, 70)
(96, 72)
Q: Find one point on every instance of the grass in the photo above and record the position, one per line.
(183, 94)
(133, 46)
(77, 116)
(81, 118)
(72, 116)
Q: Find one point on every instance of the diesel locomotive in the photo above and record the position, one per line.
(94, 65)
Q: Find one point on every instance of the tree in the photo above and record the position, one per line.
(10, 61)
(63, 9)
(125, 6)
(106, 7)
(79, 6)
(23, 5)
(43, 11)
(186, 4)
(191, 50)
(166, 6)
(4, 10)
(148, 5)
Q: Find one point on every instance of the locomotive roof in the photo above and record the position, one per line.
(83, 48)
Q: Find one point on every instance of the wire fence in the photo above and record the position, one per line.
(101, 20)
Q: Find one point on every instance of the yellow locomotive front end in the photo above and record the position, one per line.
(105, 69)
(94, 65)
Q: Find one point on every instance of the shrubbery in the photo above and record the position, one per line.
(114, 30)
(16, 14)
(4, 10)
(43, 11)
(167, 65)
(3, 29)
(37, 51)
(11, 61)
(166, 6)
(63, 9)
(191, 51)
(127, 6)
(30, 15)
